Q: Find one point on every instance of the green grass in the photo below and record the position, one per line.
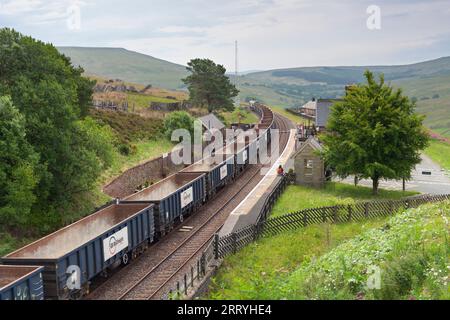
(332, 261)
(411, 252)
(143, 150)
(260, 267)
(290, 116)
(142, 101)
(297, 198)
(129, 127)
(233, 117)
(440, 152)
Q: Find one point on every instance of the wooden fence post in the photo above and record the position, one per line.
(305, 218)
(335, 216)
(216, 246)
(324, 216)
(192, 276)
(350, 213)
(234, 241)
(366, 209)
(256, 231)
(203, 264)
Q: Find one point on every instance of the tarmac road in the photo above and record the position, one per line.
(438, 182)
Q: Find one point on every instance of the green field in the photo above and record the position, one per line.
(143, 101)
(233, 117)
(332, 261)
(440, 152)
(296, 198)
(290, 116)
(259, 269)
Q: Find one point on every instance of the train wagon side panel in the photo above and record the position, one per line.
(25, 287)
(181, 203)
(108, 249)
(242, 159)
(222, 174)
(73, 271)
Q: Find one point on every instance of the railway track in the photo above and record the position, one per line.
(150, 274)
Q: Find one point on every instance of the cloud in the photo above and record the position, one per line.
(38, 12)
(271, 33)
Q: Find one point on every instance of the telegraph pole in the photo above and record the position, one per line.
(236, 66)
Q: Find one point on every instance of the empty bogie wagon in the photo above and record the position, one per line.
(219, 173)
(21, 283)
(73, 256)
(174, 198)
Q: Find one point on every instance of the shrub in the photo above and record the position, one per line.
(178, 120)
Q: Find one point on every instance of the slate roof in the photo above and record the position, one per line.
(312, 142)
(323, 111)
(211, 122)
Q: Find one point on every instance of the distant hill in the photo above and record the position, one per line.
(117, 63)
(428, 82)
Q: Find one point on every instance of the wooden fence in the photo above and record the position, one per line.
(335, 214)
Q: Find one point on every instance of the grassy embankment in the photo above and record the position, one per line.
(243, 116)
(295, 264)
(290, 116)
(297, 198)
(439, 151)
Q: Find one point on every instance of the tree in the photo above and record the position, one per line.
(18, 167)
(209, 86)
(54, 98)
(374, 133)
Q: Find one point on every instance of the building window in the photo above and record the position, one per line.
(308, 165)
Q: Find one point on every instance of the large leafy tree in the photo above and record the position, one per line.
(209, 86)
(19, 171)
(374, 133)
(54, 98)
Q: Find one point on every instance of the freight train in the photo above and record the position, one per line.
(68, 260)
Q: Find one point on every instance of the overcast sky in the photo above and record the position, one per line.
(271, 33)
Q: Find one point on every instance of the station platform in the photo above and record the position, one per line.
(247, 212)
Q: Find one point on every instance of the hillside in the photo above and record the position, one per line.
(427, 81)
(127, 65)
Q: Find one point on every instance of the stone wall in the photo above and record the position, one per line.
(309, 168)
(149, 172)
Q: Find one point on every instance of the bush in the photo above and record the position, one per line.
(124, 150)
(178, 120)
